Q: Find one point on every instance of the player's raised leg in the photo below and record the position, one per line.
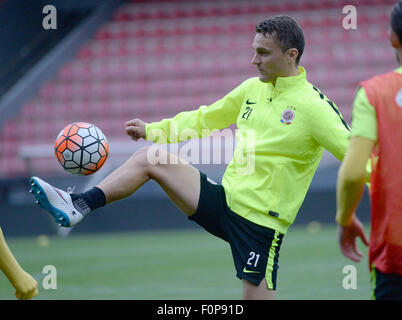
(180, 181)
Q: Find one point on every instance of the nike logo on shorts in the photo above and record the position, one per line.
(245, 270)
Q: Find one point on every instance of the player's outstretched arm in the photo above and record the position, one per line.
(25, 285)
(198, 123)
(350, 186)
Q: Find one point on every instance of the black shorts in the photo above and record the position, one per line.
(386, 286)
(255, 248)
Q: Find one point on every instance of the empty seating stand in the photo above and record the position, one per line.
(157, 58)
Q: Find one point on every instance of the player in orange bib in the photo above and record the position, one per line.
(376, 133)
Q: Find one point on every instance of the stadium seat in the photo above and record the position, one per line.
(156, 58)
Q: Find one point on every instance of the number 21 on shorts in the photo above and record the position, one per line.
(253, 259)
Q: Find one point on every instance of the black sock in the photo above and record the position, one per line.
(93, 199)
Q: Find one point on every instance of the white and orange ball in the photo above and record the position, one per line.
(81, 148)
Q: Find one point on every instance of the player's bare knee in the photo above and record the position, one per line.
(148, 159)
(140, 158)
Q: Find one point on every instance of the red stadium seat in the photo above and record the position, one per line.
(157, 58)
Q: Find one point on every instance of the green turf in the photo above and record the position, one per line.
(181, 265)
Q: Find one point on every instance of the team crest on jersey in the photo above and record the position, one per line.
(287, 116)
(398, 98)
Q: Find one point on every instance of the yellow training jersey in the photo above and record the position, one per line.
(282, 132)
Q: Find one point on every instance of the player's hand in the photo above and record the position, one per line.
(135, 129)
(26, 287)
(347, 239)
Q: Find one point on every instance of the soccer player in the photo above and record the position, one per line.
(262, 189)
(25, 286)
(376, 132)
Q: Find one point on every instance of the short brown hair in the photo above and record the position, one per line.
(286, 31)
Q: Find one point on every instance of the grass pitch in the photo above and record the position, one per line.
(182, 265)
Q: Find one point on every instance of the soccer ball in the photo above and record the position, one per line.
(81, 148)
